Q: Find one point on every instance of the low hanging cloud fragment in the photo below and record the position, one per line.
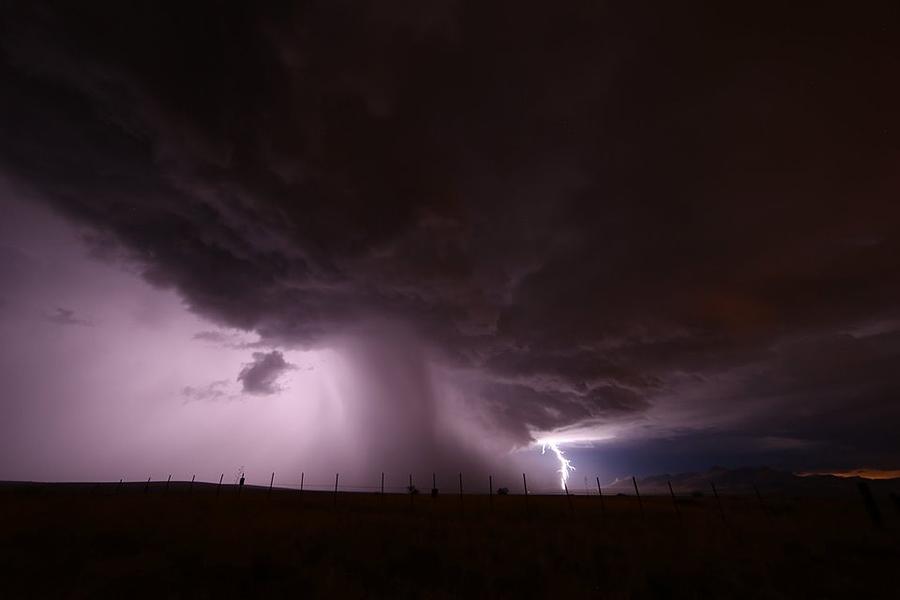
(260, 377)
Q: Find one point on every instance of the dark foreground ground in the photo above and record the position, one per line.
(99, 541)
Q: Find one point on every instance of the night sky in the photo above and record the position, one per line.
(422, 236)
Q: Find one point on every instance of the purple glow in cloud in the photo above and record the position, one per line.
(463, 242)
(150, 387)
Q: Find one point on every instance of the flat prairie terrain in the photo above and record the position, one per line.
(89, 541)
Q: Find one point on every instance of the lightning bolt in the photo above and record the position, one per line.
(565, 465)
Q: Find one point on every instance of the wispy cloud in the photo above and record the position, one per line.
(217, 390)
(65, 316)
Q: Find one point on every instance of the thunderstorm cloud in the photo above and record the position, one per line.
(581, 216)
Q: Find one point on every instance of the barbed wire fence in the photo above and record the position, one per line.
(302, 483)
(495, 487)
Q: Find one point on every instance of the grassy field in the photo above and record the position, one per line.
(100, 541)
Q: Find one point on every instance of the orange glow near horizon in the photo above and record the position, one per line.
(864, 473)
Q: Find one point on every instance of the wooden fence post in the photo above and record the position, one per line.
(525, 485)
(674, 500)
(600, 492)
(568, 497)
(271, 483)
(167, 482)
(718, 501)
(638, 494)
(334, 498)
(301, 482)
(895, 500)
(191, 489)
(762, 505)
(870, 505)
(219, 487)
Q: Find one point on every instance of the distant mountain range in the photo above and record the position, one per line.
(743, 480)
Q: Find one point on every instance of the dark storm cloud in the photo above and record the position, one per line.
(588, 204)
(260, 377)
(523, 408)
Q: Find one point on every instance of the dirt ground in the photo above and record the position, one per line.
(89, 541)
